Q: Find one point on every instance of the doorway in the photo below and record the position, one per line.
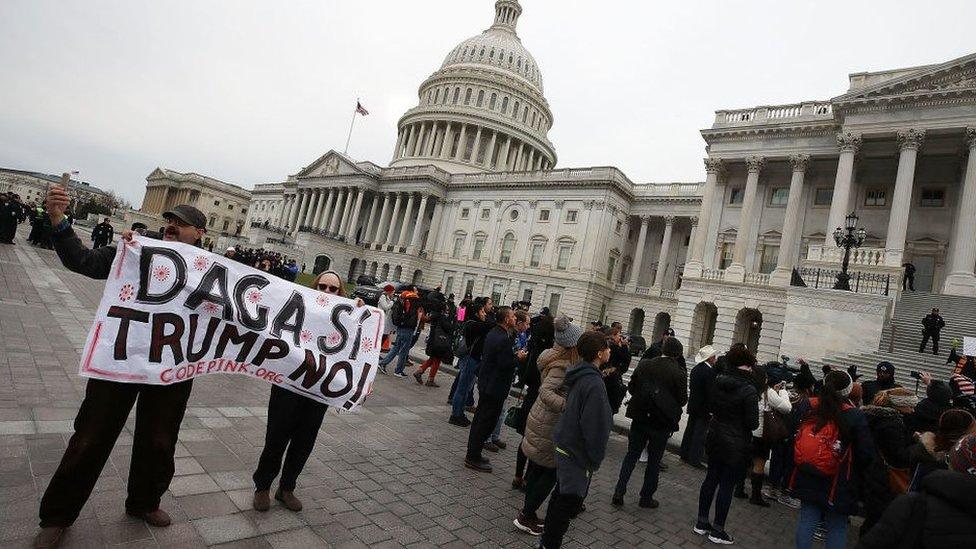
(924, 272)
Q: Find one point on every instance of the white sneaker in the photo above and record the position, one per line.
(400, 374)
(720, 537)
(769, 492)
(789, 501)
(643, 458)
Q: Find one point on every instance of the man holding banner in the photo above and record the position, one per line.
(106, 406)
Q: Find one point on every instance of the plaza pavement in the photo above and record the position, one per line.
(390, 475)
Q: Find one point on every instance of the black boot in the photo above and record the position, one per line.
(739, 490)
(757, 482)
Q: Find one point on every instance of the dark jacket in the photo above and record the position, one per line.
(474, 336)
(871, 388)
(699, 385)
(76, 257)
(734, 405)
(582, 431)
(816, 489)
(441, 328)
(891, 443)
(103, 232)
(661, 411)
(498, 364)
(941, 515)
(654, 351)
(924, 458)
(929, 409)
(933, 323)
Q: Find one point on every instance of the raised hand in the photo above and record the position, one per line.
(57, 202)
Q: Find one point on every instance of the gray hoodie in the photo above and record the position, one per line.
(582, 431)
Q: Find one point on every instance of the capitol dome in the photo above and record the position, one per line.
(484, 109)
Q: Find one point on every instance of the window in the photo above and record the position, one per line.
(226, 224)
(230, 207)
(535, 258)
(571, 216)
(492, 101)
(479, 247)
(458, 244)
(554, 304)
(481, 97)
(449, 285)
(508, 243)
(496, 292)
(515, 110)
(216, 203)
(727, 249)
(469, 287)
(562, 260)
(611, 265)
(212, 221)
(619, 227)
(467, 97)
(485, 213)
(823, 196)
(779, 196)
(514, 215)
(457, 94)
(465, 212)
(770, 254)
(875, 197)
(543, 215)
(527, 295)
(735, 196)
(504, 105)
(932, 198)
(437, 96)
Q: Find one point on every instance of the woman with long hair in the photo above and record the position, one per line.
(438, 347)
(293, 425)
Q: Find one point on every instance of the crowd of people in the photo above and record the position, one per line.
(832, 448)
(269, 261)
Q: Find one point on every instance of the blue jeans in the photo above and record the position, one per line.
(720, 478)
(467, 375)
(400, 350)
(810, 515)
(655, 440)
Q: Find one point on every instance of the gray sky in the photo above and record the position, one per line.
(249, 92)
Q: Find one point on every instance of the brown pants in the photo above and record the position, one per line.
(100, 419)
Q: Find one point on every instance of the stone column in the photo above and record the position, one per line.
(399, 145)
(402, 241)
(517, 164)
(490, 153)
(418, 226)
(347, 210)
(323, 216)
(295, 211)
(713, 168)
(461, 143)
(320, 205)
(435, 226)
(411, 137)
(849, 144)
(313, 203)
(351, 231)
(393, 220)
(504, 154)
(477, 144)
(380, 232)
(662, 258)
(421, 134)
(960, 280)
(909, 141)
(639, 253)
(692, 234)
(737, 270)
(283, 212)
(371, 220)
(337, 209)
(435, 138)
(782, 275)
(448, 141)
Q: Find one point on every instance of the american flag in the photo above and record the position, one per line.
(360, 109)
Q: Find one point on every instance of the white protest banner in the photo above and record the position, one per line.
(969, 346)
(172, 312)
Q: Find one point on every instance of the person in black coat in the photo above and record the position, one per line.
(886, 418)
(614, 370)
(102, 234)
(932, 325)
(940, 515)
(938, 399)
(699, 385)
(438, 348)
(541, 337)
(734, 405)
(885, 380)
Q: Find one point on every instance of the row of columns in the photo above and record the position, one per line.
(160, 198)
(437, 140)
(663, 254)
(961, 279)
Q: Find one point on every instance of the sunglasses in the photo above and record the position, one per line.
(328, 288)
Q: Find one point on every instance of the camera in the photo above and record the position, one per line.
(915, 374)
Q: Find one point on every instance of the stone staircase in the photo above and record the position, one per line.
(903, 334)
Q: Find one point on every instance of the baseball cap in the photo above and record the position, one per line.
(886, 367)
(188, 214)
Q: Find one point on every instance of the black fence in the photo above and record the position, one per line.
(861, 282)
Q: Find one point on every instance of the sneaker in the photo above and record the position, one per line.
(702, 528)
(470, 409)
(788, 500)
(460, 421)
(527, 525)
(648, 503)
(820, 532)
(643, 457)
(491, 447)
(769, 492)
(721, 537)
(500, 443)
(399, 374)
(479, 466)
(383, 371)
(430, 383)
(617, 500)
(419, 377)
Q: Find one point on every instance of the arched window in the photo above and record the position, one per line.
(437, 96)
(508, 244)
(492, 54)
(525, 114)
(491, 103)
(515, 110)
(481, 97)
(504, 104)
(447, 93)
(482, 54)
(467, 97)
(457, 94)
(533, 119)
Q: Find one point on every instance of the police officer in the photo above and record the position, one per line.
(11, 214)
(932, 324)
(102, 234)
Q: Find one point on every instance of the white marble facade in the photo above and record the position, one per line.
(473, 202)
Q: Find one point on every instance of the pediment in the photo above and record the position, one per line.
(951, 77)
(329, 164)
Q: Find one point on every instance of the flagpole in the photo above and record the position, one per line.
(351, 124)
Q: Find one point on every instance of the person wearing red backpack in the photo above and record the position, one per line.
(833, 448)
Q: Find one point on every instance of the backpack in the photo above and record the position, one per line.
(821, 453)
(399, 314)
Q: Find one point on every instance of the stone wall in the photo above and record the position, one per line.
(820, 323)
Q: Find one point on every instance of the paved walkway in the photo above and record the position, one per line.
(388, 476)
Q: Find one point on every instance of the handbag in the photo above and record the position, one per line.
(774, 427)
(513, 417)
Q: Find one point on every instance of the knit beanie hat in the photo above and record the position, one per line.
(567, 333)
(962, 458)
(953, 425)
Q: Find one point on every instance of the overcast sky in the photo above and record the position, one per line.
(250, 91)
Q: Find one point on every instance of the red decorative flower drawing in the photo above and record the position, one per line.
(322, 300)
(334, 338)
(306, 336)
(367, 344)
(201, 263)
(211, 307)
(126, 293)
(254, 296)
(161, 273)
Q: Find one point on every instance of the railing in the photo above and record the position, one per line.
(643, 290)
(713, 274)
(268, 227)
(861, 282)
(619, 287)
(774, 112)
(859, 256)
(668, 294)
(759, 279)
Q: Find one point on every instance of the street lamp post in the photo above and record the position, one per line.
(850, 236)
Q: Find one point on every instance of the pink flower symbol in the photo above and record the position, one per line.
(125, 294)
(367, 344)
(254, 296)
(161, 273)
(334, 338)
(322, 300)
(306, 336)
(201, 263)
(211, 307)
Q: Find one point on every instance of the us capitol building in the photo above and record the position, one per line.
(473, 201)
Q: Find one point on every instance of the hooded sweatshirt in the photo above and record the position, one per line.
(582, 431)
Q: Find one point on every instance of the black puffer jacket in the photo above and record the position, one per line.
(929, 410)
(941, 515)
(734, 404)
(891, 443)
